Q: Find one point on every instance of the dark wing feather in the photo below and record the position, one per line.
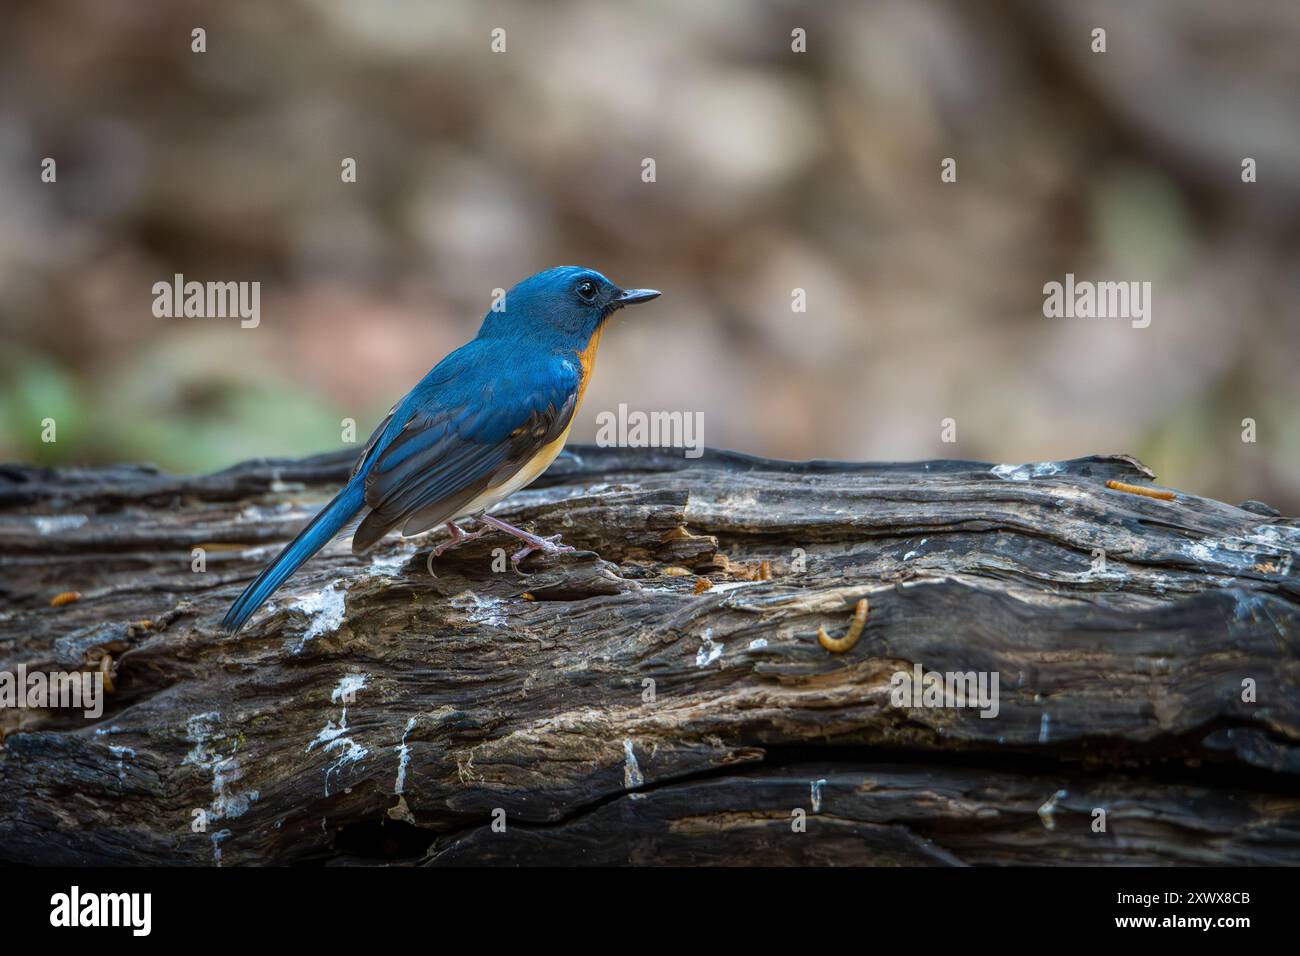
(463, 435)
(372, 442)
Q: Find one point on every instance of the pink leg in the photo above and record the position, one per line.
(458, 537)
(531, 541)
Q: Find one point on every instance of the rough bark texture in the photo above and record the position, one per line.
(610, 709)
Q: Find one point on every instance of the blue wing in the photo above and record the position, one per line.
(470, 425)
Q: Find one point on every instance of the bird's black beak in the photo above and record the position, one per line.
(633, 296)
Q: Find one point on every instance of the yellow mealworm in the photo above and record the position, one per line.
(838, 645)
(1139, 490)
(65, 597)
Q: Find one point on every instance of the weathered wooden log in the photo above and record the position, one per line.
(660, 695)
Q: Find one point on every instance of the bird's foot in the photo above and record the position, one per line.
(458, 537)
(544, 545)
(532, 542)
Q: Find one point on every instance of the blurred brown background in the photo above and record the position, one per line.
(775, 169)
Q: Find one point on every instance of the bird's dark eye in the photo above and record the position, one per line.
(587, 290)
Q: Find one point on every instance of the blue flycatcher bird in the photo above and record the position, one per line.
(484, 423)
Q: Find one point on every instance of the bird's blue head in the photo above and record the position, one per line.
(566, 305)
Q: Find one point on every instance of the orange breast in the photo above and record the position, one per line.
(588, 359)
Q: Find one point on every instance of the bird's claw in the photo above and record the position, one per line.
(458, 537)
(548, 545)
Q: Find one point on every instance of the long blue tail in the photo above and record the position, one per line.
(310, 540)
